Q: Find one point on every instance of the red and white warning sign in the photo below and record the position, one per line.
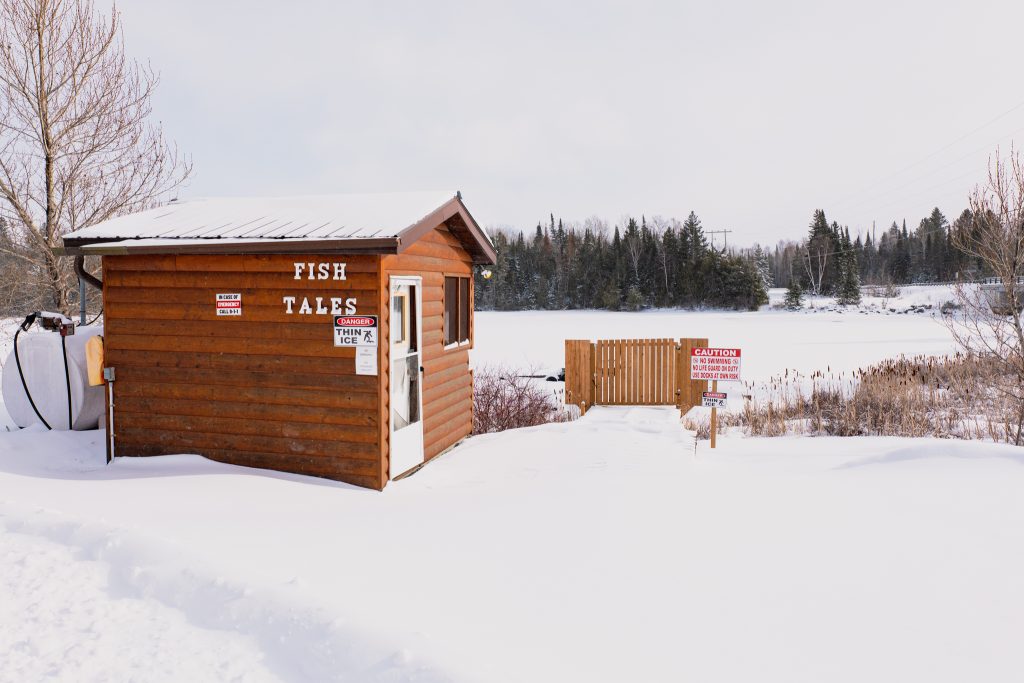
(229, 304)
(355, 330)
(714, 399)
(715, 364)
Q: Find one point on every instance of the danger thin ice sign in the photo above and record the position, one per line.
(355, 330)
(229, 304)
(715, 364)
(714, 399)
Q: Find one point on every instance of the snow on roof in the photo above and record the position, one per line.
(382, 223)
(323, 217)
(116, 245)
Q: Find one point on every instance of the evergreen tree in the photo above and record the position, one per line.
(764, 270)
(634, 299)
(849, 284)
(794, 295)
(610, 296)
(848, 287)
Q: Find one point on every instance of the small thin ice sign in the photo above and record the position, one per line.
(714, 399)
(229, 304)
(355, 330)
(715, 364)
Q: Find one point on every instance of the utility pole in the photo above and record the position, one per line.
(719, 232)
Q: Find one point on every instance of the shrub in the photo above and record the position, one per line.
(504, 398)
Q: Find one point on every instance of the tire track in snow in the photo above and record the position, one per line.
(72, 579)
(59, 622)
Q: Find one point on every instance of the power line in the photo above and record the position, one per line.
(935, 170)
(933, 154)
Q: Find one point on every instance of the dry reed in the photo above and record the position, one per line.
(942, 397)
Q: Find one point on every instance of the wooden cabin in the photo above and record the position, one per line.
(325, 335)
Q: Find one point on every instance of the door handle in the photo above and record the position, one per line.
(421, 369)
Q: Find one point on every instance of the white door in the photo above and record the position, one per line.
(406, 375)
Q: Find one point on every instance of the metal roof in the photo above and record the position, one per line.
(382, 222)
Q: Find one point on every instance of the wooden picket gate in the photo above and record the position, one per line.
(619, 372)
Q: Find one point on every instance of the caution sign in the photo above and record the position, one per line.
(714, 399)
(715, 364)
(355, 330)
(229, 304)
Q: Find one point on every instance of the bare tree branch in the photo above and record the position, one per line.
(76, 145)
(990, 325)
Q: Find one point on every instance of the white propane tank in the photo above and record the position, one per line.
(42, 362)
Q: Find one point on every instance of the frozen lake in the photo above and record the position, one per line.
(772, 341)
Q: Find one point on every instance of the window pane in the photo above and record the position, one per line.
(398, 318)
(451, 310)
(412, 371)
(405, 392)
(463, 309)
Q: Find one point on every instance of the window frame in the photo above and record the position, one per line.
(468, 342)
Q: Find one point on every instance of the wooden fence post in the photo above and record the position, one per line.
(700, 385)
(714, 417)
(683, 376)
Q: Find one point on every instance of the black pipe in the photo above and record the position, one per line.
(86, 276)
(67, 376)
(31, 318)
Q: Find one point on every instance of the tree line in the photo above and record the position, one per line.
(668, 263)
(898, 255)
(644, 264)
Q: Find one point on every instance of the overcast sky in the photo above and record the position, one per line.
(752, 114)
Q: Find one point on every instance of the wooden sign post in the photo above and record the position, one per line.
(714, 415)
(714, 364)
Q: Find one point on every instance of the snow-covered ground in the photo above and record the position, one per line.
(875, 300)
(608, 549)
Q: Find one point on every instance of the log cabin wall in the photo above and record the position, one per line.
(447, 380)
(263, 389)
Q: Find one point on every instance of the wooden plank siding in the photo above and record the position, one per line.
(264, 389)
(447, 381)
(267, 388)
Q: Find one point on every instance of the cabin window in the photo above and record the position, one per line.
(456, 310)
